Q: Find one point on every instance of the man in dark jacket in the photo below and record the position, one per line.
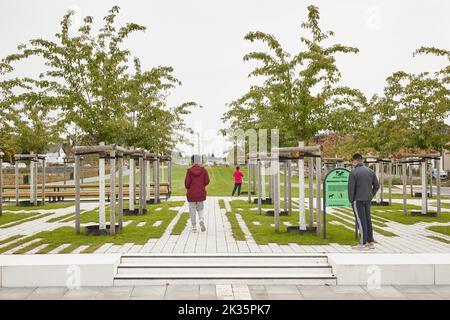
(195, 182)
(362, 187)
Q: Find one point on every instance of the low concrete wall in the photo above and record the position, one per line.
(391, 269)
(58, 270)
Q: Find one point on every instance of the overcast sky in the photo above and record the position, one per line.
(203, 40)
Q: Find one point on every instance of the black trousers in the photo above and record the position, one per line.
(237, 186)
(363, 220)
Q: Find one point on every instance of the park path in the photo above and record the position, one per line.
(219, 239)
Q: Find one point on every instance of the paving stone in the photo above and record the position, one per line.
(15, 293)
(284, 296)
(282, 289)
(423, 296)
(149, 292)
(182, 292)
(385, 292)
(207, 292)
(81, 294)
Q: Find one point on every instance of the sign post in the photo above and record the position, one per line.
(335, 192)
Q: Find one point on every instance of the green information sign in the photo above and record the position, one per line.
(336, 188)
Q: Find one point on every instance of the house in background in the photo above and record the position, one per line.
(55, 154)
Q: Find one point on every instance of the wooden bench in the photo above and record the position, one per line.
(54, 196)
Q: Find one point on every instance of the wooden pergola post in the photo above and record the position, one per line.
(156, 178)
(249, 193)
(169, 175)
(16, 179)
(147, 179)
(311, 191)
(43, 181)
(285, 178)
(289, 170)
(259, 193)
(410, 174)
(141, 184)
(101, 191)
(131, 185)
(301, 189)
(31, 180)
(430, 167)
(120, 200)
(404, 187)
(318, 193)
(35, 181)
(438, 187)
(377, 173)
(275, 178)
(77, 169)
(390, 182)
(112, 192)
(423, 173)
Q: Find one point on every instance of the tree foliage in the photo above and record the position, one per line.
(300, 94)
(94, 89)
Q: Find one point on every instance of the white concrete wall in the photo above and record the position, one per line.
(58, 270)
(391, 269)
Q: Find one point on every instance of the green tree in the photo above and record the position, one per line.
(91, 84)
(300, 94)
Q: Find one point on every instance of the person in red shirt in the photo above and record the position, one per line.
(195, 181)
(238, 175)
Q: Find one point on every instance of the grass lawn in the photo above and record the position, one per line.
(441, 229)
(444, 205)
(181, 224)
(46, 206)
(130, 234)
(397, 214)
(265, 233)
(236, 229)
(439, 239)
(8, 217)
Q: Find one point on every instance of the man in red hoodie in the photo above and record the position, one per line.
(196, 180)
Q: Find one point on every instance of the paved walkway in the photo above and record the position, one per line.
(219, 239)
(230, 292)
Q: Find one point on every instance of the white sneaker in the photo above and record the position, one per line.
(360, 247)
(202, 226)
(194, 229)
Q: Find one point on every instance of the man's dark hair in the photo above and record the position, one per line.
(192, 159)
(237, 168)
(357, 157)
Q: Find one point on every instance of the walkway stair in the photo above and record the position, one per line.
(152, 269)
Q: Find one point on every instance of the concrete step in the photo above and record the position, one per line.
(236, 278)
(145, 258)
(152, 269)
(226, 268)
